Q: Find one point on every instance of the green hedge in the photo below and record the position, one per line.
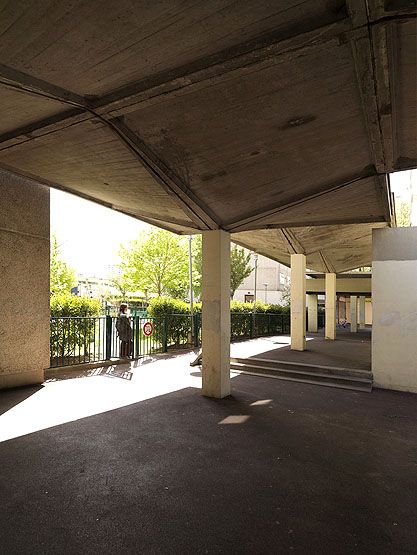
(75, 336)
(175, 315)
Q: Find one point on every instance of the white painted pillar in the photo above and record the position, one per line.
(353, 313)
(312, 313)
(394, 307)
(216, 313)
(330, 306)
(362, 301)
(298, 302)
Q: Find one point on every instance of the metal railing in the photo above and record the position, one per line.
(86, 339)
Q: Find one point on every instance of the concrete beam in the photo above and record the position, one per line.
(168, 180)
(343, 286)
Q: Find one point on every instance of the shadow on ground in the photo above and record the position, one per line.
(278, 467)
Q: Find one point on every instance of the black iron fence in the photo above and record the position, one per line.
(79, 340)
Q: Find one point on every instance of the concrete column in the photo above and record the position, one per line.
(362, 301)
(24, 279)
(312, 313)
(216, 313)
(353, 313)
(330, 306)
(394, 307)
(298, 302)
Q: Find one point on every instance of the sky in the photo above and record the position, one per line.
(89, 235)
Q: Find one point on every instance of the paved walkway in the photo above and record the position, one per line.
(137, 461)
(350, 350)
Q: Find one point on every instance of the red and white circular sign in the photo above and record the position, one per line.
(147, 329)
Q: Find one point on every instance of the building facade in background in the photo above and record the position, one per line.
(272, 280)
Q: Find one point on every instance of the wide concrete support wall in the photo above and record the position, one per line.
(330, 306)
(298, 302)
(216, 313)
(394, 305)
(353, 313)
(24, 281)
(312, 313)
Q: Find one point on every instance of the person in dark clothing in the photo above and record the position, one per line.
(124, 331)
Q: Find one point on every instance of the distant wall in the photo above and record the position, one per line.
(394, 296)
(24, 281)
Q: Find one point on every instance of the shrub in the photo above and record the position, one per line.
(75, 335)
(174, 314)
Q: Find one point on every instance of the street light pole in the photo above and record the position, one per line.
(255, 260)
(190, 264)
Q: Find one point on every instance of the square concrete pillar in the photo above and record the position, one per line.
(394, 308)
(216, 313)
(353, 313)
(24, 279)
(330, 306)
(312, 313)
(298, 302)
(362, 301)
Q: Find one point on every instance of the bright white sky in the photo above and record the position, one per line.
(89, 235)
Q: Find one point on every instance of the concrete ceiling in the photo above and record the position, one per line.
(277, 121)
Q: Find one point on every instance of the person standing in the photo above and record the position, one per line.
(124, 331)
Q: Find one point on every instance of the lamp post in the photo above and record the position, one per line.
(190, 265)
(266, 291)
(255, 262)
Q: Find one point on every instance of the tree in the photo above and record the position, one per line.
(403, 213)
(240, 266)
(156, 262)
(122, 284)
(62, 276)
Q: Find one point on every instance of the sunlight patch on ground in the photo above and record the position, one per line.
(235, 419)
(61, 401)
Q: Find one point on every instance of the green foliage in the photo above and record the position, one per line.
(62, 276)
(403, 213)
(65, 304)
(240, 266)
(73, 336)
(172, 317)
(157, 262)
(122, 283)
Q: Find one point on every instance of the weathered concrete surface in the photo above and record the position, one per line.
(24, 280)
(216, 313)
(348, 286)
(306, 469)
(193, 117)
(298, 302)
(349, 351)
(394, 294)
